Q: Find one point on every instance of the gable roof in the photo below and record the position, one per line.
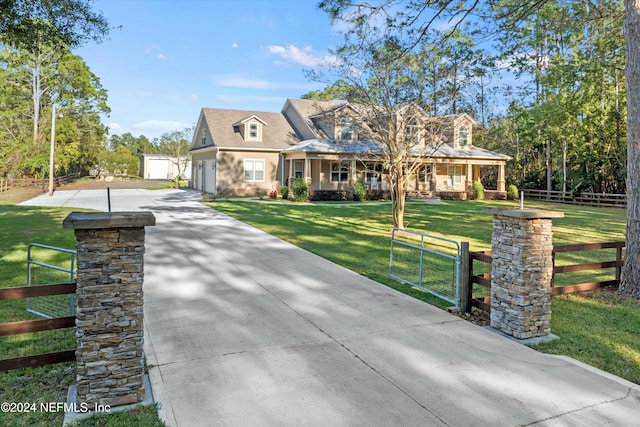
(248, 119)
(223, 127)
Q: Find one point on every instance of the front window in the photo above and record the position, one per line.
(203, 140)
(339, 172)
(463, 136)
(424, 174)
(455, 174)
(253, 170)
(347, 131)
(373, 172)
(298, 169)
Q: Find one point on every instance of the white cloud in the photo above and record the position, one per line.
(161, 56)
(150, 48)
(234, 45)
(306, 56)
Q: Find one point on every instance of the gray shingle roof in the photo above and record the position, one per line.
(324, 146)
(276, 134)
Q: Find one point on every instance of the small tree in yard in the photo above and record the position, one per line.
(385, 93)
(177, 143)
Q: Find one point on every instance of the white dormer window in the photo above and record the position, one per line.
(252, 131)
(346, 130)
(250, 128)
(411, 129)
(463, 136)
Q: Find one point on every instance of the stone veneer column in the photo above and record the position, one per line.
(110, 270)
(521, 271)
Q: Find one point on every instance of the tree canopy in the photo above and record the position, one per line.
(24, 23)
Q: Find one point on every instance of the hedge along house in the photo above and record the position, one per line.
(331, 146)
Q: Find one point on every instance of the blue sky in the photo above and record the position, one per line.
(170, 58)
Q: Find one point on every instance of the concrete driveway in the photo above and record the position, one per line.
(245, 329)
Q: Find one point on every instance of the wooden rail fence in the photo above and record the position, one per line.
(484, 279)
(585, 199)
(26, 326)
(7, 184)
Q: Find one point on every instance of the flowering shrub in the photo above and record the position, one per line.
(273, 194)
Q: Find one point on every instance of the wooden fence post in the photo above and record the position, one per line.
(465, 274)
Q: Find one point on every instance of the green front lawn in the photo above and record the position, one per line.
(600, 329)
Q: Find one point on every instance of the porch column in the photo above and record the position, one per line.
(307, 171)
(476, 172)
(501, 185)
(469, 176)
(434, 176)
(352, 173)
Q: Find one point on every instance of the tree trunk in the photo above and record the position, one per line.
(398, 193)
(630, 284)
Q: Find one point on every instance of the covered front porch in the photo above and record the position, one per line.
(435, 177)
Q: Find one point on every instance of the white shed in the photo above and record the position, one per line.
(162, 166)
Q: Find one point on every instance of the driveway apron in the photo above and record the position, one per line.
(243, 328)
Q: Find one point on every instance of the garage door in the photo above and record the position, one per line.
(158, 169)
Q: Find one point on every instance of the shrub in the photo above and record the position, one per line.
(512, 192)
(359, 191)
(327, 195)
(284, 190)
(300, 190)
(478, 190)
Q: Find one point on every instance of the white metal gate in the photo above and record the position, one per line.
(430, 263)
(40, 272)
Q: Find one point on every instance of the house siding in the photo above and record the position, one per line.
(230, 172)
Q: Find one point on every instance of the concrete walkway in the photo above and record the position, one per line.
(243, 329)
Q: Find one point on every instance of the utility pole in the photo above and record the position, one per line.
(52, 148)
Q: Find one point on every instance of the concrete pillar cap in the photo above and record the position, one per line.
(97, 220)
(525, 213)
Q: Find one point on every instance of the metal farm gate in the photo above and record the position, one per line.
(427, 262)
(40, 273)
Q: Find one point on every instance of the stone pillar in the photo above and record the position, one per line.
(521, 271)
(109, 333)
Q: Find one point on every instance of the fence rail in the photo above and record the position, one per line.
(617, 263)
(484, 279)
(8, 184)
(29, 326)
(585, 199)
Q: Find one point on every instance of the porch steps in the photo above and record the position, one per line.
(421, 195)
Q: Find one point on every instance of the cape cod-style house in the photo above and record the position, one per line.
(329, 145)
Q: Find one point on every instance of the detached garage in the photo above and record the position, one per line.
(162, 166)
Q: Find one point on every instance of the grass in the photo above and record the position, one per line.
(599, 329)
(20, 226)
